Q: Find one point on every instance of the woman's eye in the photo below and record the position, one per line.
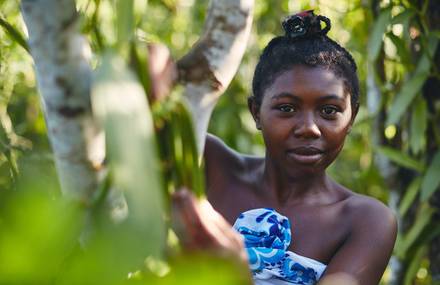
(329, 110)
(286, 108)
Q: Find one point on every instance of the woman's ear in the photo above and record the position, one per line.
(254, 108)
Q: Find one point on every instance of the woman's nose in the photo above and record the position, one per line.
(306, 126)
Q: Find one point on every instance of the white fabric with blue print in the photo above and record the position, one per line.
(267, 236)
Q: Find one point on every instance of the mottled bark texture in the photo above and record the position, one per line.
(63, 73)
(209, 67)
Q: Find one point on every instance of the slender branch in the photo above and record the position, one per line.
(63, 72)
(209, 67)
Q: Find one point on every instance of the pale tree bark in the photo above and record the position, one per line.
(63, 73)
(209, 67)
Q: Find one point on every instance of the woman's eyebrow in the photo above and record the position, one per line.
(297, 98)
(332, 97)
(285, 95)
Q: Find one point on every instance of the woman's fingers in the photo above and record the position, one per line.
(227, 239)
(187, 221)
(218, 226)
(199, 226)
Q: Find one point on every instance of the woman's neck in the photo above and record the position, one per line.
(290, 187)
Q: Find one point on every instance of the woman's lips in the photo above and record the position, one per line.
(306, 155)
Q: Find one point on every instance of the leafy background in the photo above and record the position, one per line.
(392, 153)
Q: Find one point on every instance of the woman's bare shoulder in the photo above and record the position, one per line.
(369, 243)
(371, 219)
(369, 209)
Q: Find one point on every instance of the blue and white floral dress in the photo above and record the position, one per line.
(267, 236)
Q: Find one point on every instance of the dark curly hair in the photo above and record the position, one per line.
(305, 43)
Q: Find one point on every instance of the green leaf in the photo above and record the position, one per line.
(187, 169)
(431, 180)
(120, 103)
(379, 29)
(411, 88)
(402, 50)
(425, 62)
(210, 270)
(422, 220)
(406, 95)
(402, 17)
(410, 195)
(414, 265)
(139, 62)
(30, 232)
(401, 158)
(436, 33)
(125, 20)
(4, 140)
(419, 124)
(14, 34)
(191, 158)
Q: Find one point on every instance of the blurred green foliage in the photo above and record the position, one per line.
(394, 48)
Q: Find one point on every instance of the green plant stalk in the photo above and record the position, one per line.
(192, 161)
(140, 66)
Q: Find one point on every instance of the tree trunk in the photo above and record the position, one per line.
(209, 67)
(61, 59)
(63, 72)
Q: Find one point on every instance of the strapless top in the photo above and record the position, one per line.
(267, 236)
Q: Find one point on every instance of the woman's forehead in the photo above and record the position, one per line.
(304, 80)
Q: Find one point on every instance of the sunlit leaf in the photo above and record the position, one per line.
(125, 20)
(14, 34)
(379, 28)
(37, 235)
(4, 140)
(121, 105)
(190, 154)
(186, 169)
(431, 180)
(401, 158)
(226, 271)
(410, 88)
(402, 50)
(403, 17)
(139, 63)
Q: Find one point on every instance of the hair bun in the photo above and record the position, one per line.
(305, 24)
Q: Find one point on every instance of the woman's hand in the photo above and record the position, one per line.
(200, 227)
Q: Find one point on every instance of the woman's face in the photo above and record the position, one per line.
(304, 118)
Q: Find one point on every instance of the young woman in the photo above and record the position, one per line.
(292, 222)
